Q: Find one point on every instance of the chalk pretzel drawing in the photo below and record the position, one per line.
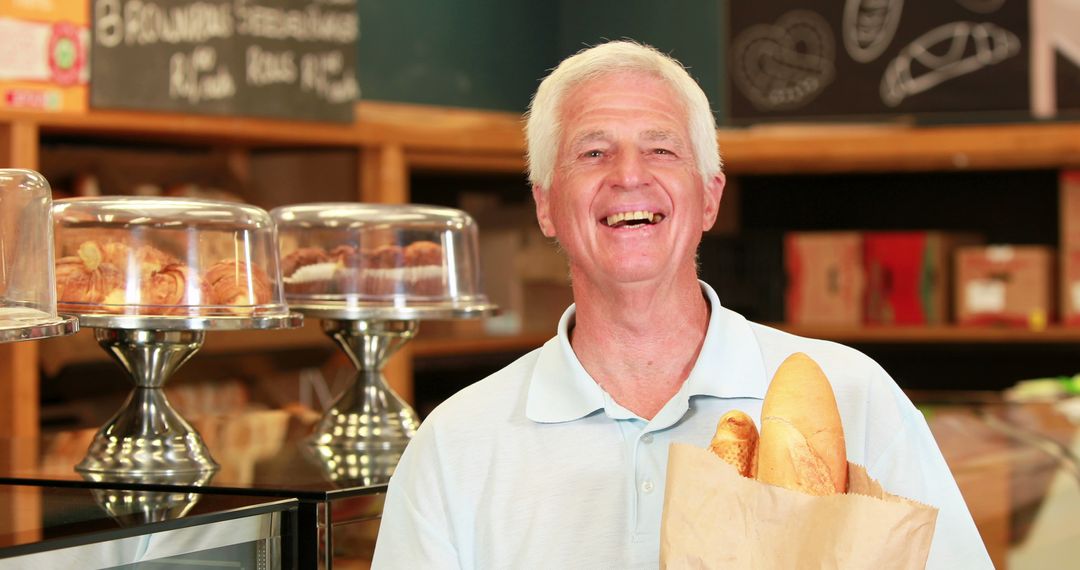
(784, 65)
(869, 27)
(964, 47)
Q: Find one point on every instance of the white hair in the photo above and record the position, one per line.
(544, 120)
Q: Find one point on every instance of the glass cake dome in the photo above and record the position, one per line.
(146, 257)
(342, 259)
(27, 292)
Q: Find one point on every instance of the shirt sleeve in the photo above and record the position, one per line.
(912, 466)
(416, 530)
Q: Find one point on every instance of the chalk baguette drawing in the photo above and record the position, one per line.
(784, 65)
(869, 27)
(946, 52)
(982, 6)
(1054, 25)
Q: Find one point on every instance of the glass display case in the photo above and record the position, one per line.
(63, 527)
(27, 290)
(370, 272)
(261, 452)
(151, 257)
(151, 275)
(370, 260)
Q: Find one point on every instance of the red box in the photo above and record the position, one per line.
(825, 278)
(1004, 285)
(908, 276)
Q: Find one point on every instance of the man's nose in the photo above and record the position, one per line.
(629, 170)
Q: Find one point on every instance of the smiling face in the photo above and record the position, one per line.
(627, 202)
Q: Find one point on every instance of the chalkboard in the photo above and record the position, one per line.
(873, 58)
(292, 59)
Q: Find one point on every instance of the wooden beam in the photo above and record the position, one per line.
(19, 390)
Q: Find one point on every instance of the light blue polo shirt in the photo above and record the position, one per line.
(537, 467)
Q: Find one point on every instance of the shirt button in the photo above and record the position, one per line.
(647, 486)
(647, 438)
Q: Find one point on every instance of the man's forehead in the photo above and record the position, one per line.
(604, 135)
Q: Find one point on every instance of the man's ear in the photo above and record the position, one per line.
(714, 190)
(543, 212)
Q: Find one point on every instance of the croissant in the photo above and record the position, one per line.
(75, 283)
(169, 288)
(86, 277)
(232, 283)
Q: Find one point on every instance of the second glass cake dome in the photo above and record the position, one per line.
(179, 257)
(379, 260)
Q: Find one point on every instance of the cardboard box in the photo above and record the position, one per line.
(1069, 199)
(1004, 285)
(908, 276)
(44, 55)
(826, 283)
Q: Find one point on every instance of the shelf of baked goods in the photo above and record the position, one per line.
(816, 148)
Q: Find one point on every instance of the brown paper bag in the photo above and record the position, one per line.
(715, 518)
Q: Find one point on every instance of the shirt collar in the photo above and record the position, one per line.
(729, 365)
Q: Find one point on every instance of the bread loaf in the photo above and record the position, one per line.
(736, 441)
(802, 441)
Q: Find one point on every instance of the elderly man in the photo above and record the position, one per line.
(558, 460)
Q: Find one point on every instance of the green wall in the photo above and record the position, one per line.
(688, 30)
(491, 54)
(488, 54)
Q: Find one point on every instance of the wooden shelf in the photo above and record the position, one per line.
(466, 139)
(936, 334)
(878, 148)
(434, 130)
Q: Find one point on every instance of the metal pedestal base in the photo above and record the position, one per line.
(368, 421)
(147, 437)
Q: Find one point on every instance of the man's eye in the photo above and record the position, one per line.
(593, 153)
(662, 151)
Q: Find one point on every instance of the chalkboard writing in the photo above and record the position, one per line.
(872, 58)
(292, 59)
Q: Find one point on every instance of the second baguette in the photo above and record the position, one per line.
(801, 446)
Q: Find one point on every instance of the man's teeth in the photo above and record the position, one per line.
(623, 218)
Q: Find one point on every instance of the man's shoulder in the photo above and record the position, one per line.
(490, 399)
(834, 358)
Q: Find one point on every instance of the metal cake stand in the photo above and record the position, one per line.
(62, 326)
(147, 437)
(365, 429)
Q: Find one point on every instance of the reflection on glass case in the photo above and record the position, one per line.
(62, 527)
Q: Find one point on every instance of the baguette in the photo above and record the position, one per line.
(802, 441)
(736, 441)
